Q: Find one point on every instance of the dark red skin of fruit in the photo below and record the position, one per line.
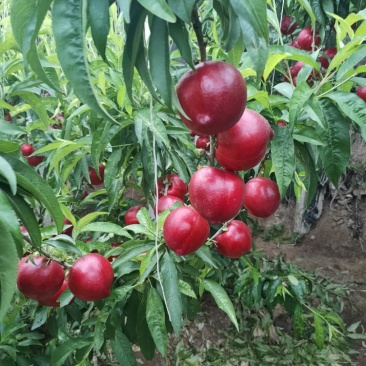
(8, 117)
(166, 203)
(329, 54)
(40, 280)
(130, 216)
(111, 257)
(305, 39)
(216, 194)
(52, 301)
(294, 44)
(213, 97)
(68, 231)
(202, 143)
(27, 149)
(261, 197)
(94, 179)
(172, 185)
(281, 123)
(185, 230)
(35, 160)
(288, 25)
(90, 277)
(295, 69)
(361, 92)
(244, 145)
(236, 241)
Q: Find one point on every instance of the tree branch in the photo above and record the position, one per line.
(198, 30)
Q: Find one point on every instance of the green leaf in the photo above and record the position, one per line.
(104, 227)
(125, 6)
(8, 173)
(180, 36)
(122, 349)
(252, 15)
(318, 12)
(319, 331)
(131, 254)
(283, 158)
(169, 282)
(159, 57)
(307, 7)
(32, 182)
(69, 23)
(205, 254)
(98, 15)
(182, 8)
(300, 96)
(222, 299)
(351, 105)
(159, 8)
(8, 146)
(298, 320)
(8, 265)
(155, 317)
(336, 153)
(63, 351)
(11, 129)
(179, 166)
(353, 59)
(186, 289)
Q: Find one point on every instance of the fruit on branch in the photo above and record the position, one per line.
(288, 25)
(94, 178)
(213, 96)
(35, 160)
(166, 203)
(172, 185)
(185, 230)
(235, 241)
(281, 123)
(68, 231)
(243, 146)
(361, 92)
(203, 143)
(261, 197)
(305, 39)
(53, 300)
(130, 216)
(90, 277)
(27, 149)
(216, 194)
(40, 280)
(328, 55)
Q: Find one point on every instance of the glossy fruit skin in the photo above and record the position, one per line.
(68, 231)
(236, 241)
(94, 179)
(213, 97)
(329, 54)
(281, 123)
(305, 39)
(244, 145)
(295, 69)
(185, 230)
(261, 197)
(173, 185)
(27, 149)
(294, 44)
(130, 216)
(90, 277)
(216, 194)
(202, 143)
(35, 160)
(166, 202)
(288, 25)
(361, 92)
(52, 301)
(40, 280)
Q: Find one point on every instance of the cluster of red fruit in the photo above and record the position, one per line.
(43, 280)
(27, 150)
(213, 98)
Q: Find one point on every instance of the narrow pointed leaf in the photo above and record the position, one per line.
(122, 349)
(182, 8)
(159, 8)
(8, 173)
(65, 349)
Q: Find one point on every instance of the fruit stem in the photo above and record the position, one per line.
(211, 154)
(198, 30)
(221, 230)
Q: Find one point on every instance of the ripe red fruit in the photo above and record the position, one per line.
(8, 117)
(305, 39)
(111, 257)
(213, 96)
(329, 54)
(68, 231)
(243, 146)
(91, 277)
(295, 69)
(361, 92)
(216, 194)
(94, 179)
(202, 143)
(294, 44)
(261, 197)
(288, 25)
(166, 203)
(281, 123)
(52, 301)
(27, 149)
(172, 185)
(236, 241)
(130, 216)
(40, 280)
(185, 230)
(35, 160)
